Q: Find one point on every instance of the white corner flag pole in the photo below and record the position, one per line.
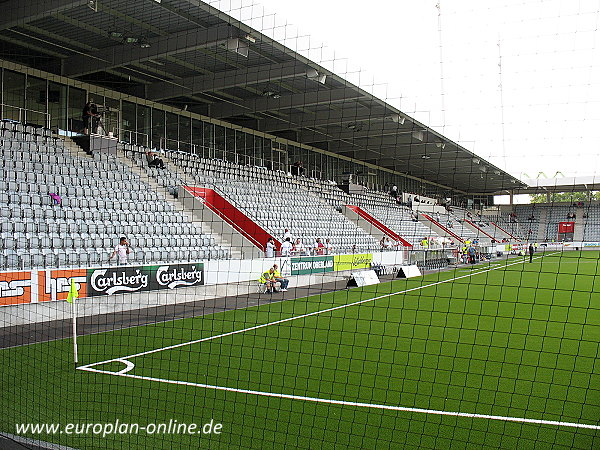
(73, 294)
(74, 309)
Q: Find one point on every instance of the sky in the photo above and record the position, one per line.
(516, 82)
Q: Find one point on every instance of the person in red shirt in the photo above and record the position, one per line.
(319, 248)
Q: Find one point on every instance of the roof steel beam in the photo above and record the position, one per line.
(19, 12)
(225, 80)
(356, 113)
(266, 104)
(123, 54)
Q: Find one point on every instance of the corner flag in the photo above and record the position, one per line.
(73, 294)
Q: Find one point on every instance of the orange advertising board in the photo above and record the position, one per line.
(15, 288)
(55, 284)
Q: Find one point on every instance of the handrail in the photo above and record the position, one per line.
(504, 231)
(136, 134)
(446, 230)
(23, 113)
(480, 229)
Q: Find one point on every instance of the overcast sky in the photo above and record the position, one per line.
(548, 116)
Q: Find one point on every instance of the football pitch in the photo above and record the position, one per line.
(502, 355)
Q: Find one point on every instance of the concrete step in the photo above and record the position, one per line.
(164, 194)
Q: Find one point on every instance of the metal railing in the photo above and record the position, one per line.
(25, 115)
(136, 137)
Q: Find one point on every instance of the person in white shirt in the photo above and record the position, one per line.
(287, 235)
(121, 251)
(299, 248)
(286, 247)
(329, 246)
(270, 251)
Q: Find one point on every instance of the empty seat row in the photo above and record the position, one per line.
(112, 191)
(11, 259)
(82, 203)
(49, 241)
(20, 211)
(32, 225)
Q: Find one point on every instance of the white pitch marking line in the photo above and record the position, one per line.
(357, 404)
(302, 316)
(128, 366)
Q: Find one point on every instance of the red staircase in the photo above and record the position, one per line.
(506, 232)
(443, 228)
(233, 216)
(377, 224)
(479, 229)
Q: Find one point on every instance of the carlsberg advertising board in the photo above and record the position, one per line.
(127, 279)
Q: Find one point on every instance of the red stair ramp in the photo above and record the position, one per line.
(377, 224)
(233, 216)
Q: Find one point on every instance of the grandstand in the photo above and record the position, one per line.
(392, 337)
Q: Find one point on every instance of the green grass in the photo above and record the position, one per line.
(518, 341)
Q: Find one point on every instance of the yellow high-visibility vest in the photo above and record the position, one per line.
(266, 276)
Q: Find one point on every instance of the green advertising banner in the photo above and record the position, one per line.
(352, 262)
(312, 264)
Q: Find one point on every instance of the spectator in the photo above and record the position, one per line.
(531, 250)
(286, 247)
(56, 199)
(319, 248)
(121, 251)
(388, 244)
(450, 224)
(278, 278)
(409, 201)
(437, 217)
(472, 254)
(297, 168)
(268, 279)
(270, 248)
(329, 247)
(465, 256)
(287, 235)
(394, 192)
(414, 217)
(299, 248)
(154, 161)
(382, 243)
(90, 117)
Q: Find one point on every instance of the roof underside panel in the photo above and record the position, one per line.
(187, 54)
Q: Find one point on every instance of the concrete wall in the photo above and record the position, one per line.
(230, 236)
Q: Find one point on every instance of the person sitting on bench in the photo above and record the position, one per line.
(268, 279)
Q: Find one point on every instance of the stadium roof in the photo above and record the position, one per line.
(565, 184)
(187, 53)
